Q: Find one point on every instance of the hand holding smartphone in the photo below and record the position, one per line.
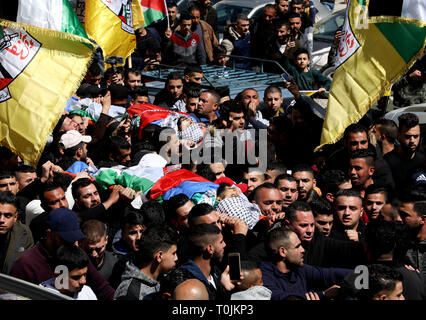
(234, 263)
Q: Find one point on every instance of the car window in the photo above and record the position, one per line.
(226, 14)
(324, 30)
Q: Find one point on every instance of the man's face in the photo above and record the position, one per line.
(295, 24)
(92, 79)
(298, 120)
(207, 105)
(185, 27)
(251, 96)
(373, 204)
(173, 11)
(131, 234)
(408, 215)
(168, 259)
(211, 218)
(8, 217)
(191, 104)
(269, 14)
(273, 101)
(237, 121)
(182, 215)
(242, 27)
(323, 223)
(283, 6)
(359, 171)
(88, 197)
(124, 157)
(302, 61)
(95, 250)
(139, 99)
(409, 138)
(305, 183)
(195, 17)
(297, 8)
(174, 88)
(80, 124)
(269, 201)
(218, 169)
(25, 178)
(304, 225)
(397, 293)
(288, 191)
(9, 184)
(295, 251)
(282, 34)
(229, 192)
(219, 248)
(68, 125)
(195, 77)
(77, 279)
(55, 199)
(133, 81)
(348, 210)
(357, 140)
(253, 179)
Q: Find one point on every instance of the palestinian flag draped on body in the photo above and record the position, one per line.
(153, 10)
(39, 70)
(380, 41)
(111, 24)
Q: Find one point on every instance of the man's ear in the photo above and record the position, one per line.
(423, 219)
(210, 249)
(282, 252)
(158, 256)
(329, 196)
(314, 181)
(371, 170)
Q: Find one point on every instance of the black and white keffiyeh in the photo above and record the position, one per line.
(238, 207)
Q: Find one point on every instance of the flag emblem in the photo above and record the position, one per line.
(17, 49)
(123, 10)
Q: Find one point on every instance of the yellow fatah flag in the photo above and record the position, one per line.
(111, 24)
(39, 70)
(138, 17)
(380, 41)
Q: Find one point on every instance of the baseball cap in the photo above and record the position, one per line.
(72, 138)
(65, 222)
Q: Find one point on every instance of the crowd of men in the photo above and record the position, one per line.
(302, 222)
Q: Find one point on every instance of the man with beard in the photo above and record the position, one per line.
(206, 251)
(262, 30)
(172, 91)
(88, 204)
(405, 160)
(205, 31)
(74, 146)
(412, 210)
(287, 275)
(361, 169)
(306, 182)
(95, 245)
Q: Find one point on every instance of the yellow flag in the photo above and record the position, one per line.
(138, 17)
(110, 24)
(39, 70)
(379, 44)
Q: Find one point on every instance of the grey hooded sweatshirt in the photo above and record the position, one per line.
(253, 293)
(148, 287)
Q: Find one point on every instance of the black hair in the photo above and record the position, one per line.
(283, 176)
(24, 168)
(330, 180)
(374, 188)
(80, 183)
(192, 69)
(354, 128)
(174, 76)
(153, 213)
(7, 197)
(380, 278)
(46, 187)
(321, 206)
(199, 210)
(139, 91)
(388, 128)
(301, 50)
(131, 217)
(116, 143)
(173, 204)
(63, 180)
(265, 185)
(199, 236)
(185, 16)
(279, 22)
(348, 193)
(291, 211)
(6, 173)
(206, 172)
(367, 154)
(72, 257)
(302, 167)
(408, 120)
(131, 70)
(154, 239)
(191, 90)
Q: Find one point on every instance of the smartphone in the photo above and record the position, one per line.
(234, 265)
(285, 77)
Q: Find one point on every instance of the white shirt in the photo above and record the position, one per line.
(86, 292)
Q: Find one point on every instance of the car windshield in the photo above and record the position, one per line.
(226, 14)
(325, 29)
